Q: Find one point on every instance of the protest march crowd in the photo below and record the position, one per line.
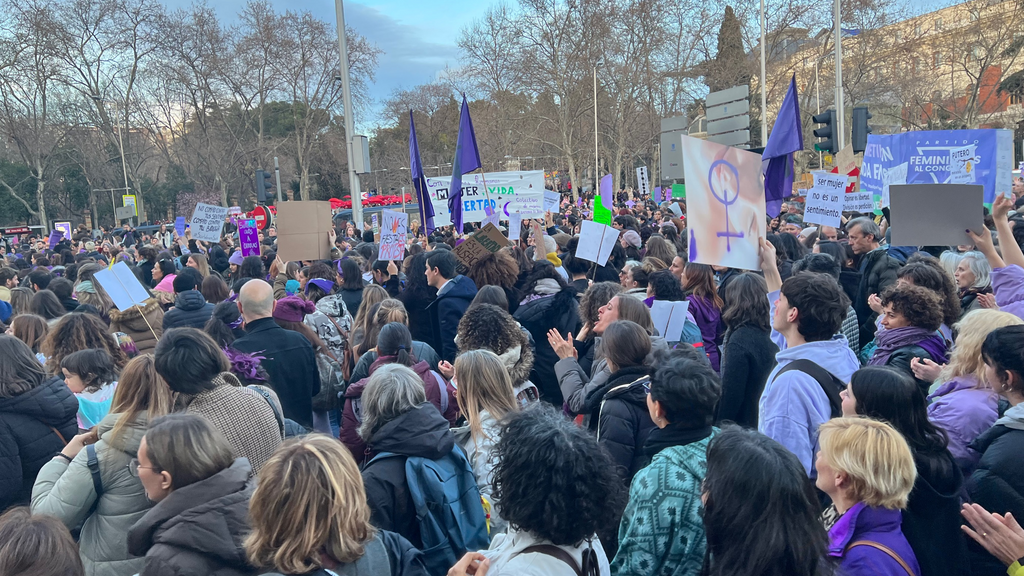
(853, 408)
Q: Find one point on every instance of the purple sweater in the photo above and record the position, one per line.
(707, 317)
(880, 525)
(964, 411)
(1008, 285)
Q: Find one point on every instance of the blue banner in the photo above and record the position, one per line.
(927, 159)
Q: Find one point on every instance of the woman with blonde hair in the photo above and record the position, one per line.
(964, 404)
(321, 521)
(485, 398)
(372, 294)
(199, 262)
(867, 469)
(94, 485)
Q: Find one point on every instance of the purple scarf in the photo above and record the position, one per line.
(889, 341)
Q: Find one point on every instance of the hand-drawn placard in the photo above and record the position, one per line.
(207, 222)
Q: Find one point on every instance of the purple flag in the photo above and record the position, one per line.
(55, 237)
(419, 180)
(248, 238)
(467, 159)
(786, 138)
(657, 193)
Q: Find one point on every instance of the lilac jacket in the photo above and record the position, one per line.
(964, 412)
(1008, 285)
(708, 318)
(880, 525)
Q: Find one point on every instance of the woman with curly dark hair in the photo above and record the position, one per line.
(749, 353)
(557, 488)
(498, 269)
(78, 331)
(780, 534)
(911, 319)
(595, 298)
(488, 327)
(928, 273)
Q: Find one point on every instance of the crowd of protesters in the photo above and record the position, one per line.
(852, 408)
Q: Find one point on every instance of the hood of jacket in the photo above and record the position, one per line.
(52, 403)
(833, 355)
(422, 432)
(132, 315)
(691, 457)
(131, 436)
(210, 517)
(556, 307)
(189, 300)
(461, 287)
(620, 382)
(332, 305)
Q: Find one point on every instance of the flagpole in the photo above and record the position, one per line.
(764, 84)
(487, 193)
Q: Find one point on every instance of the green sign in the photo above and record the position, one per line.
(679, 191)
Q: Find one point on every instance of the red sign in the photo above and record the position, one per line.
(263, 216)
(19, 230)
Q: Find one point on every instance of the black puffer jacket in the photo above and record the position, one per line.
(620, 417)
(27, 436)
(191, 310)
(421, 432)
(997, 484)
(560, 312)
(198, 529)
(931, 521)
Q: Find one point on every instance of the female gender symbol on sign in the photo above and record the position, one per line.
(717, 174)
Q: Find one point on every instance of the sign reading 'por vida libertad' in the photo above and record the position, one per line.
(207, 222)
(825, 199)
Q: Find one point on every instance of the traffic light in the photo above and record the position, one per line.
(827, 131)
(860, 129)
(263, 186)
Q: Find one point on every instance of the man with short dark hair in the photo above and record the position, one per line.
(878, 270)
(455, 292)
(807, 311)
(8, 280)
(190, 306)
(826, 264)
(194, 367)
(39, 279)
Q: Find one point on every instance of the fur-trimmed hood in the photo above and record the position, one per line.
(133, 314)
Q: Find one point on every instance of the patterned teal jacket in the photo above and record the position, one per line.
(662, 532)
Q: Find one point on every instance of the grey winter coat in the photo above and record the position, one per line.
(66, 491)
(198, 529)
(481, 455)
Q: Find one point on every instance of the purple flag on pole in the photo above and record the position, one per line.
(786, 138)
(419, 180)
(467, 159)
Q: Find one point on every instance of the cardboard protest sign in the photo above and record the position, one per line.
(515, 225)
(935, 214)
(55, 237)
(596, 242)
(726, 190)
(669, 318)
(825, 200)
(485, 241)
(551, 200)
(249, 238)
(303, 231)
(863, 202)
(392, 235)
(122, 286)
(207, 222)
(64, 227)
(962, 164)
(179, 226)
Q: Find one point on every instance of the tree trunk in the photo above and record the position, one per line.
(43, 219)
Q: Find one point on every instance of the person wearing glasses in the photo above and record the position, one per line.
(202, 497)
(89, 484)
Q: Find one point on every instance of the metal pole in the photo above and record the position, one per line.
(840, 108)
(596, 157)
(764, 82)
(353, 178)
(277, 173)
(817, 94)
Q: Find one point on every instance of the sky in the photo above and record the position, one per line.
(418, 37)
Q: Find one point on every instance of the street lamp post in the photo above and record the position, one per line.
(346, 92)
(596, 157)
(120, 145)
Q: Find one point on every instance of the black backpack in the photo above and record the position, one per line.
(830, 385)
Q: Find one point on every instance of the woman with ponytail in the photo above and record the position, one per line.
(394, 346)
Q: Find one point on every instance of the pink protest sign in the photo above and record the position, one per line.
(248, 237)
